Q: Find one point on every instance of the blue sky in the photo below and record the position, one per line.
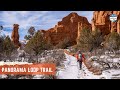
(39, 19)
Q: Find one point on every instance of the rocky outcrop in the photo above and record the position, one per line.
(15, 35)
(67, 28)
(101, 21)
(71, 26)
(116, 25)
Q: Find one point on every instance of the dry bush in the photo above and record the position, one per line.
(112, 41)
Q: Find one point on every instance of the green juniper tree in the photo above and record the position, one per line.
(112, 41)
(89, 40)
(97, 39)
(1, 43)
(84, 41)
(31, 32)
(8, 46)
(64, 44)
(37, 44)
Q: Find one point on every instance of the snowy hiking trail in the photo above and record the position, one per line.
(71, 70)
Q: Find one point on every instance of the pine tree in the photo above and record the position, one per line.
(85, 41)
(89, 40)
(1, 43)
(31, 32)
(64, 44)
(97, 38)
(27, 37)
(112, 41)
(36, 44)
(8, 46)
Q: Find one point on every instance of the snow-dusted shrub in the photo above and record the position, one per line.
(64, 44)
(19, 77)
(112, 41)
(3, 76)
(94, 58)
(49, 77)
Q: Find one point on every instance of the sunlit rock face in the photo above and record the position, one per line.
(67, 28)
(101, 21)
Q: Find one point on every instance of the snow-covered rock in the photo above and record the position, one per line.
(104, 57)
(94, 58)
(116, 59)
(3, 76)
(37, 77)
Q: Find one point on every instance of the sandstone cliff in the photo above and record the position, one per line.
(67, 28)
(101, 20)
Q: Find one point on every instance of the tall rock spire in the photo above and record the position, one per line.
(15, 35)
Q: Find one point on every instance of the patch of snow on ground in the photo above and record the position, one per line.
(104, 56)
(37, 77)
(94, 57)
(13, 63)
(71, 71)
(116, 59)
(3, 76)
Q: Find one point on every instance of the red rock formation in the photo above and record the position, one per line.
(15, 35)
(67, 28)
(116, 25)
(101, 21)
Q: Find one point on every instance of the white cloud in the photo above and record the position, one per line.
(38, 19)
(87, 14)
(23, 18)
(2, 32)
